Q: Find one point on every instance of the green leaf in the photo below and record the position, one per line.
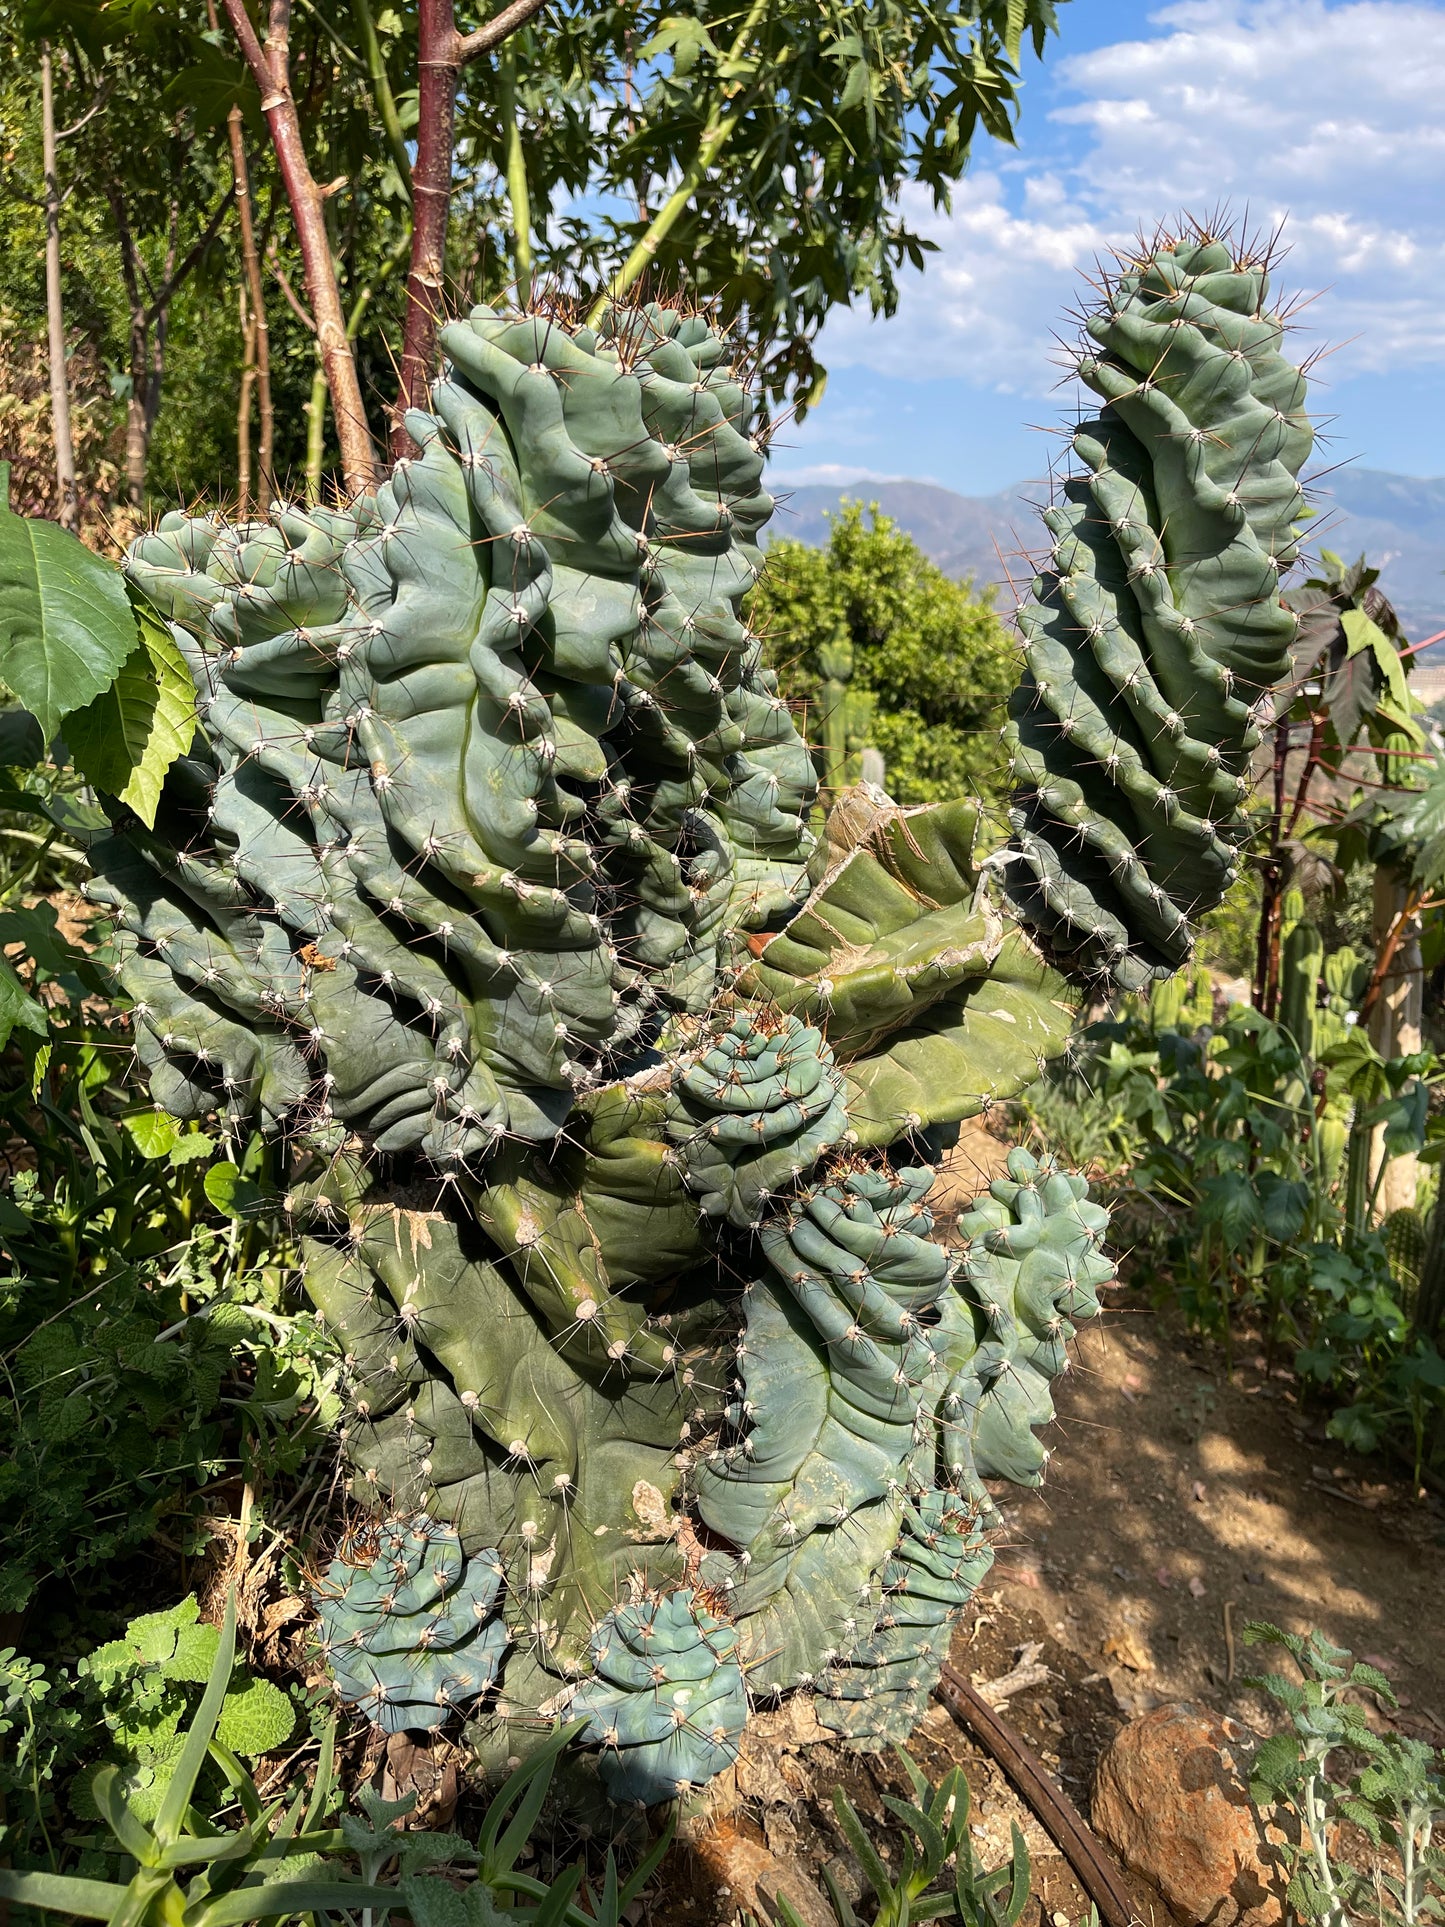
(128, 737)
(152, 1132)
(22, 743)
(66, 625)
(61, 1894)
(190, 1148)
(256, 1719)
(18, 1009)
(231, 1194)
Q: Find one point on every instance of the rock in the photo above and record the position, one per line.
(1171, 1796)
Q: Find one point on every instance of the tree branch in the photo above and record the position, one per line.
(270, 68)
(189, 261)
(496, 30)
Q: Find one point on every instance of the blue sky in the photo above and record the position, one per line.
(1326, 116)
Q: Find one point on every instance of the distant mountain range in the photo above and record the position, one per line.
(1398, 521)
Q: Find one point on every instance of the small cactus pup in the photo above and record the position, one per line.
(413, 1635)
(666, 1702)
(609, 1070)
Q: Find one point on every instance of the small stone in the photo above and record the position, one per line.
(1171, 1797)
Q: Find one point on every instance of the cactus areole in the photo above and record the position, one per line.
(611, 1072)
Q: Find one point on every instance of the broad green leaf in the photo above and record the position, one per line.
(152, 1132)
(128, 737)
(232, 1195)
(256, 1718)
(65, 621)
(22, 744)
(18, 1009)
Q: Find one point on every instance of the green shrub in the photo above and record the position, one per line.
(932, 660)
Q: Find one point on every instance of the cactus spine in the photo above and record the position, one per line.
(493, 883)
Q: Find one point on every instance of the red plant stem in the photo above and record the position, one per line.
(271, 69)
(441, 54)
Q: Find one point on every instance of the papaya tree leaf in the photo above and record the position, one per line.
(66, 626)
(127, 737)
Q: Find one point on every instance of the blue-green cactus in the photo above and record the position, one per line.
(666, 1702)
(493, 886)
(876, 1689)
(1157, 624)
(413, 1635)
(753, 1111)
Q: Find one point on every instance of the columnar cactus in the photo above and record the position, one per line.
(1158, 623)
(493, 884)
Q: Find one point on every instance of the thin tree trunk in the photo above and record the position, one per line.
(431, 190)
(69, 499)
(271, 69)
(441, 54)
(256, 296)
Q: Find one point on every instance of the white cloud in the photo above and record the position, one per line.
(1325, 118)
(829, 475)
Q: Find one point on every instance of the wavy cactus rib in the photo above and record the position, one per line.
(666, 1702)
(413, 1635)
(491, 884)
(1158, 623)
(754, 1111)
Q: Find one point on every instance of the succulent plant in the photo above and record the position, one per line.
(1158, 623)
(413, 1635)
(666, 1702)
(492, 882)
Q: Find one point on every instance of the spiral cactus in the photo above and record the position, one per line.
(1158, 624)
(413, 1635)
(492, 884)
(666, 1701)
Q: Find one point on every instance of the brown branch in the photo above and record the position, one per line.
(1388, 948)
(298, 306)
(271, 69)
(497, 29)
(441, 54)
(1061, 1819)
(176, 275)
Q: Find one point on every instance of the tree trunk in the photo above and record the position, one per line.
(259, 345)
(431, 189)
(441, 54)
(1395, 1026)
(271, 69)
(69, 499)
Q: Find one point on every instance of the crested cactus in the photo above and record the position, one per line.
(666, 1701)
(413, 1635)
(493, 884)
